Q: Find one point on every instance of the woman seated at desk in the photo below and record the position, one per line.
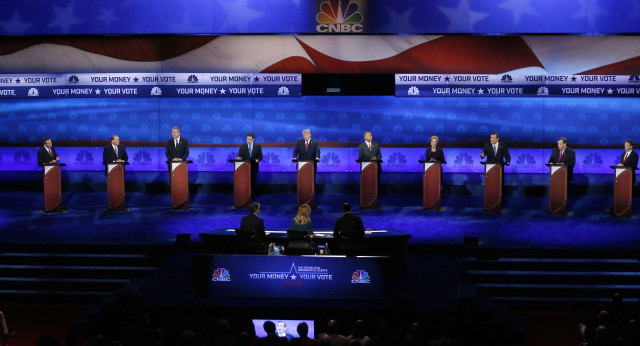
(302, 222)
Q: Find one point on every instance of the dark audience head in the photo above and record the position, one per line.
(359, 329)
(332, 327)
(48, 341)
(303, 329)
(222, 328)
(346, 208)
(254, 207)
(269, 327)
(354, 342)
(324, 340)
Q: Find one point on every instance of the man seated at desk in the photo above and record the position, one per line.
(348, 225)
(255, 223)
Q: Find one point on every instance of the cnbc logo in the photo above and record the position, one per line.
(206, 160)
(142, 158)
(360, 277)
(84, 157)
(397, 160)
(463, 160)
(592, 160)
(341, 16)
(21, 157)
(221, 274)
(330, 159)
(526, 160)
(270, 160)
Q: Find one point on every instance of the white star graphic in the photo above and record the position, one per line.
(222, 91)
(589, 9)
(609, 91)
(64, 18)
(236, 15)
(97, 91)
(293, 276)
(107, 16)
(480, 91)
(15, 26)
(518, 7)
(399, 22)
(462, 19)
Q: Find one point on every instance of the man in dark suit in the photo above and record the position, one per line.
(369, 150)
(495, 151)
(348, 225)
(253, 152)
(629, 158)
(307, 148)
(177, 147)
(565, 155)
(114, 152)
(255, 223)
(47, 154)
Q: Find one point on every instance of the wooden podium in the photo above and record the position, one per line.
(369, 183)
(622, 191)
(492, 186)
(179, 177)
(52, 187)
(241, 183)
(558, 176)
(115, 186)
(431, 184)
(306, 182)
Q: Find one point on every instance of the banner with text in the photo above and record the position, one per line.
(150, 85)
(438, 85)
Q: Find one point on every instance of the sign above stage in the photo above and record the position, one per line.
(505, 85)
(150, 85)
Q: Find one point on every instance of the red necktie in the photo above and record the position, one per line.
(560, 157)
(369, 146)
(625, 157)
(50, 153)
(306, 146)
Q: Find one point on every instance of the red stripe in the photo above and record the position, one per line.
(625, 67)
(449, 54)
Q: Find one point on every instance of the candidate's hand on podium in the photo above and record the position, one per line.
(53, 161)
(119, 160)
(432, 159)
(257, 161)
(373, 158)
(620, 164)
(176, 159)
(318, 159)
(238, 158)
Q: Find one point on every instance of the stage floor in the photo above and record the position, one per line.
(525, 222)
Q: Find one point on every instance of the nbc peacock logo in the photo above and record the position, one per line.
(360, 277)
(221, 274)
(341, 16)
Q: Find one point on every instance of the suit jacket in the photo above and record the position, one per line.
(43, 156)
(254, 222)
(312, 153)
(568, 158)
(109, 155)
(181, 152)
(438, 155)
(364, 153)
(502, 154)
(348, 223)
(632, 161)
(256, 154)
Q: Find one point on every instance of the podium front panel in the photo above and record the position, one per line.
(493, 187)
(306, 182)
(241, 183)
(622, 193)
(558, 189)
(52, 188)
(179, 185)
(115, 186)
(432, 180)
(368, 184)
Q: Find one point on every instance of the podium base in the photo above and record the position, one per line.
(118, 210)
(56, 211)
(432, 209)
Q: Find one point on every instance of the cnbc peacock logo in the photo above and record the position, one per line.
(341, 16)
(221, 274)
(360, 277)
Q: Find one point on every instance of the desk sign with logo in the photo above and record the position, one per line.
(330, 277)
(505, 85)
(150, 85)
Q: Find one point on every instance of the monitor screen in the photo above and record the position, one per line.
(286, 328)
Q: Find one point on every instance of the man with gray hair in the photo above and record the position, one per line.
(177, 147)
(307, 148)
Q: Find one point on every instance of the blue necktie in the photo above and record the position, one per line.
(250, 150)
